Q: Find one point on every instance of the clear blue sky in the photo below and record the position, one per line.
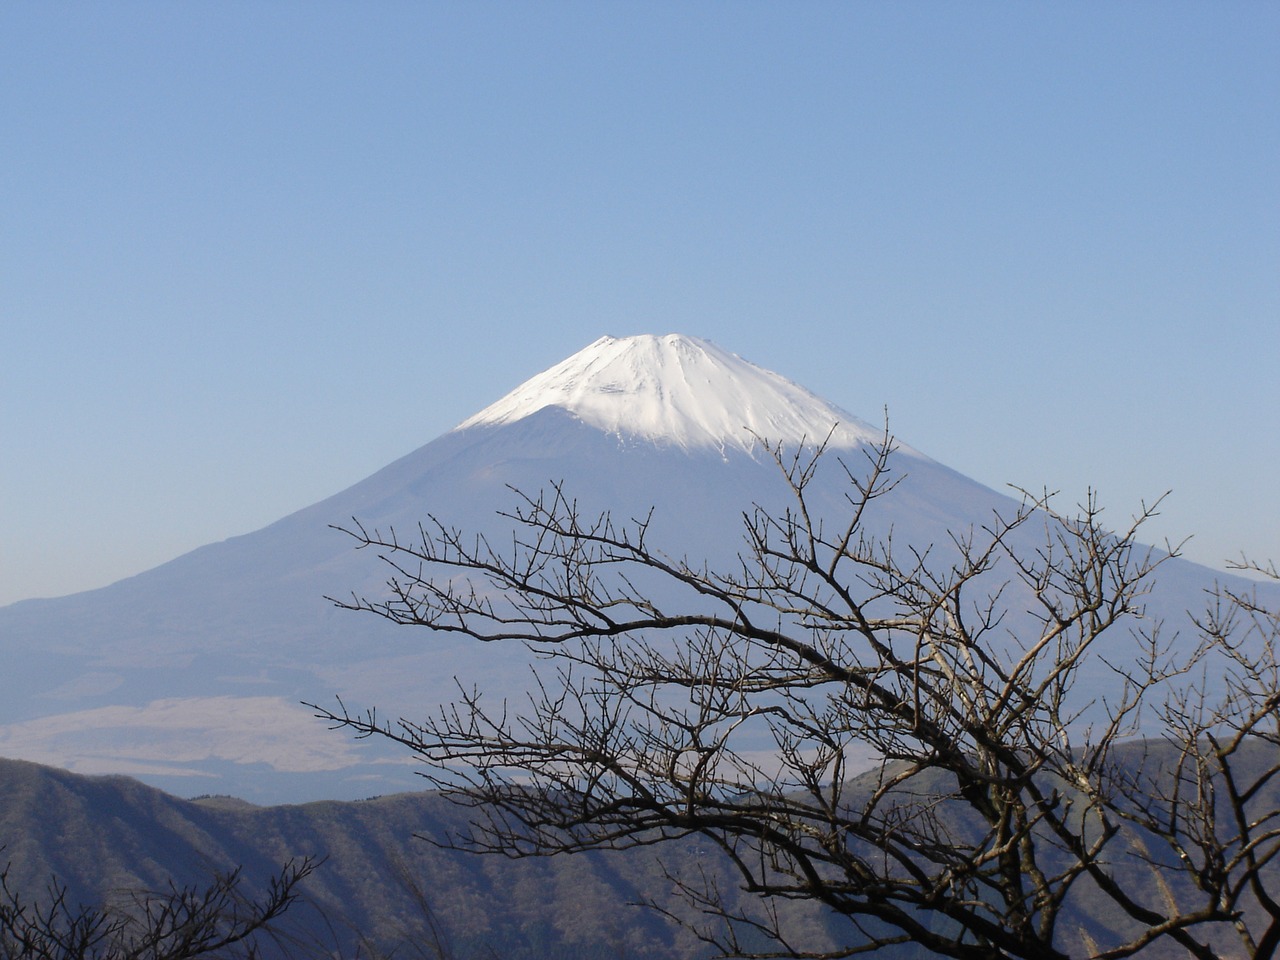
(249, 253)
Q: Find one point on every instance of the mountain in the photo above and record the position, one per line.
(190, 675)
(380, 889)
(383, 889)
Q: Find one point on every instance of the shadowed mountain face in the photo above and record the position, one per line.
(378, 887)
(190, 675)
(384, 888)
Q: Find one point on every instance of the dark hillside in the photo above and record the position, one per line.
(382, 888)
(379, 886)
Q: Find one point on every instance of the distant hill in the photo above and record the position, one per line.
(384, 890)
(380, 889)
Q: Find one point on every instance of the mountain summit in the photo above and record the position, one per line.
(679, 391)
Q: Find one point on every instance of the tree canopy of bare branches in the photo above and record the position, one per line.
(1014, 808)
(181, 923)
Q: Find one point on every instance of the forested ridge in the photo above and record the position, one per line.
(381, 886)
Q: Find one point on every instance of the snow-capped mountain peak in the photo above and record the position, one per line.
(678, 390)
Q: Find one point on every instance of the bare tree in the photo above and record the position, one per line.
(1006, 807)
(181, 923)
(1210, 797)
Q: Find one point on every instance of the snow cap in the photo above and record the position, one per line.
(681, 391)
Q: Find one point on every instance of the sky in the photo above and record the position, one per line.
(251, 253)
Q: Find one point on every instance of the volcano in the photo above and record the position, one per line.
(190, 676)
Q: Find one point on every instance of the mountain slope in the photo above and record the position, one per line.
(104, 837)
(190, 675)
(383, 888)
